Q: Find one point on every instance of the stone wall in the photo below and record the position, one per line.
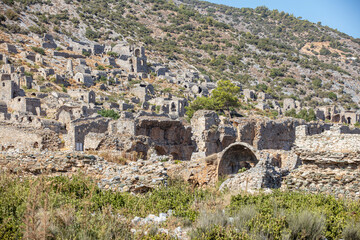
(22, 138)
(211, 136)
(330, 162)
(80, 128)
(167, 137)
(337, 139)
(273, 134)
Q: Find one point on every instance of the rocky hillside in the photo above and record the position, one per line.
(269, 51)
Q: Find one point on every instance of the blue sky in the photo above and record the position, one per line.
(343, 15)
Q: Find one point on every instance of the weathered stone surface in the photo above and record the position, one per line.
(262, 176)
(209, 134)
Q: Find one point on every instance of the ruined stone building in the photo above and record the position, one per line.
(143, 91)
(83, 132)
(84, 78)
(336, 115)
(131, 58)
(83, 95)
(26, 105)
(173, 106)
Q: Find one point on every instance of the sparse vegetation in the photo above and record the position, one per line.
(307, 115)
(77, 208)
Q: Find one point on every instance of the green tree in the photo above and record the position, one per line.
(199, 104)
(226, 95)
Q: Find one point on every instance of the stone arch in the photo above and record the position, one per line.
(235, 157)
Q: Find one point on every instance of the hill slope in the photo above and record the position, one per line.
(270, 51)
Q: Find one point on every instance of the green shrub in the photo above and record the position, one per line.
(100, 67)
(307, 115)
(332, 96)
(317, 83)
(223, 97)
(277, 72)
(86, 53)
(207, 221)
(113, 54)
(38, 50)
(91, 35)
(66, 208)
(109, 113)
(296, 213)
(324, 51)
(11, 15)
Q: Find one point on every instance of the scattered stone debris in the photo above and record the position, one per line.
(138, 177)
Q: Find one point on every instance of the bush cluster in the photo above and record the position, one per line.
(109, 113)
(281, 215)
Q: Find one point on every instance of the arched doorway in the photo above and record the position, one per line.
(235, 157)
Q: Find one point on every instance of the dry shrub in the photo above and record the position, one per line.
(243, 216)
(37, 215)
(117, 157)
(306, 225)
(352, 231)
(207, 220)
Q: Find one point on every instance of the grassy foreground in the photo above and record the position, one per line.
(63, 208)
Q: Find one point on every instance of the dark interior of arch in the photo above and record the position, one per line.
(236, 158)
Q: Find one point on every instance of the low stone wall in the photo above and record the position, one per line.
(330, 163)
(332, 141)
(336, 174)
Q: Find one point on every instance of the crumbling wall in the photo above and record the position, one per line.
(235, 157)
(210, 135)
(207, 170)
(330, 162)
(167, 136)
(80, 128)
(273, 134)
(23, 138)
(337, 139)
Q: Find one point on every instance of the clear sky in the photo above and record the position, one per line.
(343, 15)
